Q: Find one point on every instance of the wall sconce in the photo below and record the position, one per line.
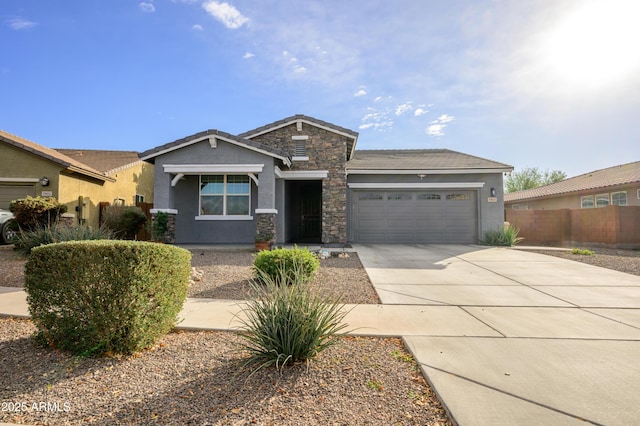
(493, 192)
(421, 176)
(44, 181)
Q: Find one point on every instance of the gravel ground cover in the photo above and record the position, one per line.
(195, 377)
(617, 259)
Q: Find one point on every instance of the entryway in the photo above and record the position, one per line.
(303, 211)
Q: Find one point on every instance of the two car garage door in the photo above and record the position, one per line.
(9, 192)
(414, 216)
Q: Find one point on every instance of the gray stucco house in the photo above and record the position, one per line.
(301, 180)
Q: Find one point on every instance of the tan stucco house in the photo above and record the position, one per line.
(618, 185)
(81, 179)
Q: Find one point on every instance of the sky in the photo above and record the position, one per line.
(553, 84)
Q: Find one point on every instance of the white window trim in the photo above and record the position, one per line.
(626, 199)
(224, 202)
(593, 201)
(602, 195)
(213, 169)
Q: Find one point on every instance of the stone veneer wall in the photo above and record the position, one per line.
(265, 225)
(326, 151)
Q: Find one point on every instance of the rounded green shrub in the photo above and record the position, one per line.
(285, 265)
(92, 297)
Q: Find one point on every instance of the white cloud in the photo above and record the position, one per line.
(420, 110)
(401, 109)
(225, 13)
(197, 27)
(299, 69)
(21, 24)
(435, 129)
(377, 99)
(248, 55)
(360, 92)
(147, 7)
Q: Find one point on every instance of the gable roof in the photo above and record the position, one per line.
(52, 155)
(309, 120)
(214, 134)
(612, 176)
(106, 161)
(427, 161)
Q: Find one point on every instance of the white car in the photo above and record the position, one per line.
(7, 227)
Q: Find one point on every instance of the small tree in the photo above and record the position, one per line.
(32, 213)
(532, 177)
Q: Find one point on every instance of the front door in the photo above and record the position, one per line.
(304, 211)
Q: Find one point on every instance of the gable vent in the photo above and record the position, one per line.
(301, 149)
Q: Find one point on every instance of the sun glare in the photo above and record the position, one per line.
(595, 45)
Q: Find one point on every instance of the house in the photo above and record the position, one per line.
(78, 178)
(302, 180)
(618, 185)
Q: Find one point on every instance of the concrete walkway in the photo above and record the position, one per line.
(505, 337)
(544, 340)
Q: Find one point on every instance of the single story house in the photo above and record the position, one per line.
(618, 185)
(81, 179)
(301, 180)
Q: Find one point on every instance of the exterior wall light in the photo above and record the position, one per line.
(44, 181)
(493, 192)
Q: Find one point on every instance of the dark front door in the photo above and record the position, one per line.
(304, 211)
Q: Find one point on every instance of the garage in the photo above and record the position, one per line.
(396, 216)
(9, 192)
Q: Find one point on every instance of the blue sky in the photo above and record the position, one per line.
(553, 84)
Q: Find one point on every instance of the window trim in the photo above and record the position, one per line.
(626, 199)
(602, 195)
(587, 197)
(224, 195)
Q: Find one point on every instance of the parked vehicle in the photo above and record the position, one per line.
(7, 227)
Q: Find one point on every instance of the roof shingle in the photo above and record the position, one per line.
(419, 159)
(105, 161)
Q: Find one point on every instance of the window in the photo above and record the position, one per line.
(370, 196)
(225, 195)
(602, 200)
(586, 202)
(619, 198)
(428, 196)
(458, 197)
(397, 196)
(139, 199)
(638, 194)
(515, 207)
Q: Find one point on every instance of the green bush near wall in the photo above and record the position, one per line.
(93, 297)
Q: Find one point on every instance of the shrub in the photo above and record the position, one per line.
(92, 297)
(35, 212)
(287, 323)
(57, 233)
(124, 221)
(507, 237)
(286, 265)
(160, 226)
(583, 252)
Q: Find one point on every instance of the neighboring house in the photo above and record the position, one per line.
(301, 180)
(618, 185)
(78, 178)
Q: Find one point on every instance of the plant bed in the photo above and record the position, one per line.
(188, 378)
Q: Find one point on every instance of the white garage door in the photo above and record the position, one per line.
(13, 192)
(414, 216)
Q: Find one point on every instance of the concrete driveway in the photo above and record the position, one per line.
(537, 339)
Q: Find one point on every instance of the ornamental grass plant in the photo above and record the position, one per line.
(507, 237)
(286, 322)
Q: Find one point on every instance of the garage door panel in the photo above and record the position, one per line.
(415, 216)
(9, 193)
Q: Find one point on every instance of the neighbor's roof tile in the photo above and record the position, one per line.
(616, 175)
